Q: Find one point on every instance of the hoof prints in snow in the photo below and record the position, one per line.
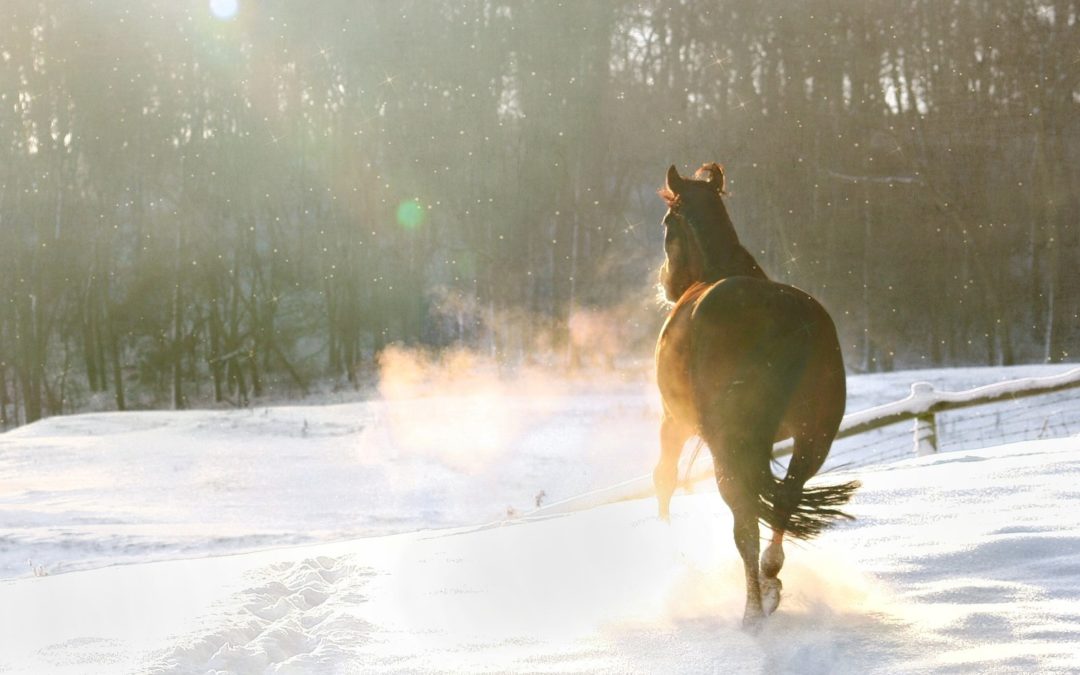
(81, 651)
(301, 621)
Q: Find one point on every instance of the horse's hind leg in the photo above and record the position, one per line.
(673, 437)
(808, 456)
(743, 504)
(741, 460)
(772, 561)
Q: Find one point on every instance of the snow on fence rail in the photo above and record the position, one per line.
(924, 405)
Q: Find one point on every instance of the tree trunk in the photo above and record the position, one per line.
(117, 370)
(177, 333)
(4, 419)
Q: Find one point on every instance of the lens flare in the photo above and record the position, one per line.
(224, 9)
(410, 214)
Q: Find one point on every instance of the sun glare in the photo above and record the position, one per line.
(224, 9)
(410, 214)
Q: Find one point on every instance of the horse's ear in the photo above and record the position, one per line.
(714, 174)
(674, 182)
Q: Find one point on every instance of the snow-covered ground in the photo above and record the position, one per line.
(959, 562)
(85, 491)
(967, 561)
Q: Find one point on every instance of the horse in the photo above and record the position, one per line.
(742, 362)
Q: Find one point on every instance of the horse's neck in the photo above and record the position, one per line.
(736, 262)
(744, 265)
(730, 258)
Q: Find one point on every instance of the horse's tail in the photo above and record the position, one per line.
(803, 514)
(742, 453)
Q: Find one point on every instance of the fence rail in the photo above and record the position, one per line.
(923, 405)
(924, 402)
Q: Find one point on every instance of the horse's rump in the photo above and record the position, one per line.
(759, 348)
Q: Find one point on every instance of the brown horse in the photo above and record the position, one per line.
(743, 362)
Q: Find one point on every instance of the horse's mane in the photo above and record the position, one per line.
(670, 198)
(690, 295)
(713, 173)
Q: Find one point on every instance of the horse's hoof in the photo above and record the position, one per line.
(752, 622)
(770, 594)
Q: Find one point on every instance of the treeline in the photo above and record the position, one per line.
(195, 208)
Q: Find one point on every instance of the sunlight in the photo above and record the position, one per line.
(224, 9)
(342, 336)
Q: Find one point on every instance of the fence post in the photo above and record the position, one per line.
(925, 430)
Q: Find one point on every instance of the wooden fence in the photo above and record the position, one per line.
(921, 406)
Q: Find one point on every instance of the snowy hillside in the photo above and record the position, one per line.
(961, 562)
(85, 491)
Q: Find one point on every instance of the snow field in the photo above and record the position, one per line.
(957, 563)
(85, 491)
(961, 562)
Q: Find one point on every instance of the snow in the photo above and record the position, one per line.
(961, 562)
(967, 561)
(88, 490)
(83, 491)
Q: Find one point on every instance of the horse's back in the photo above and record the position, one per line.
(742, 297)
(746, 317)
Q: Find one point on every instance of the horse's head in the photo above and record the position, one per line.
(698, 235)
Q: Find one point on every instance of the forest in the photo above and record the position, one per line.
(217, 203)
